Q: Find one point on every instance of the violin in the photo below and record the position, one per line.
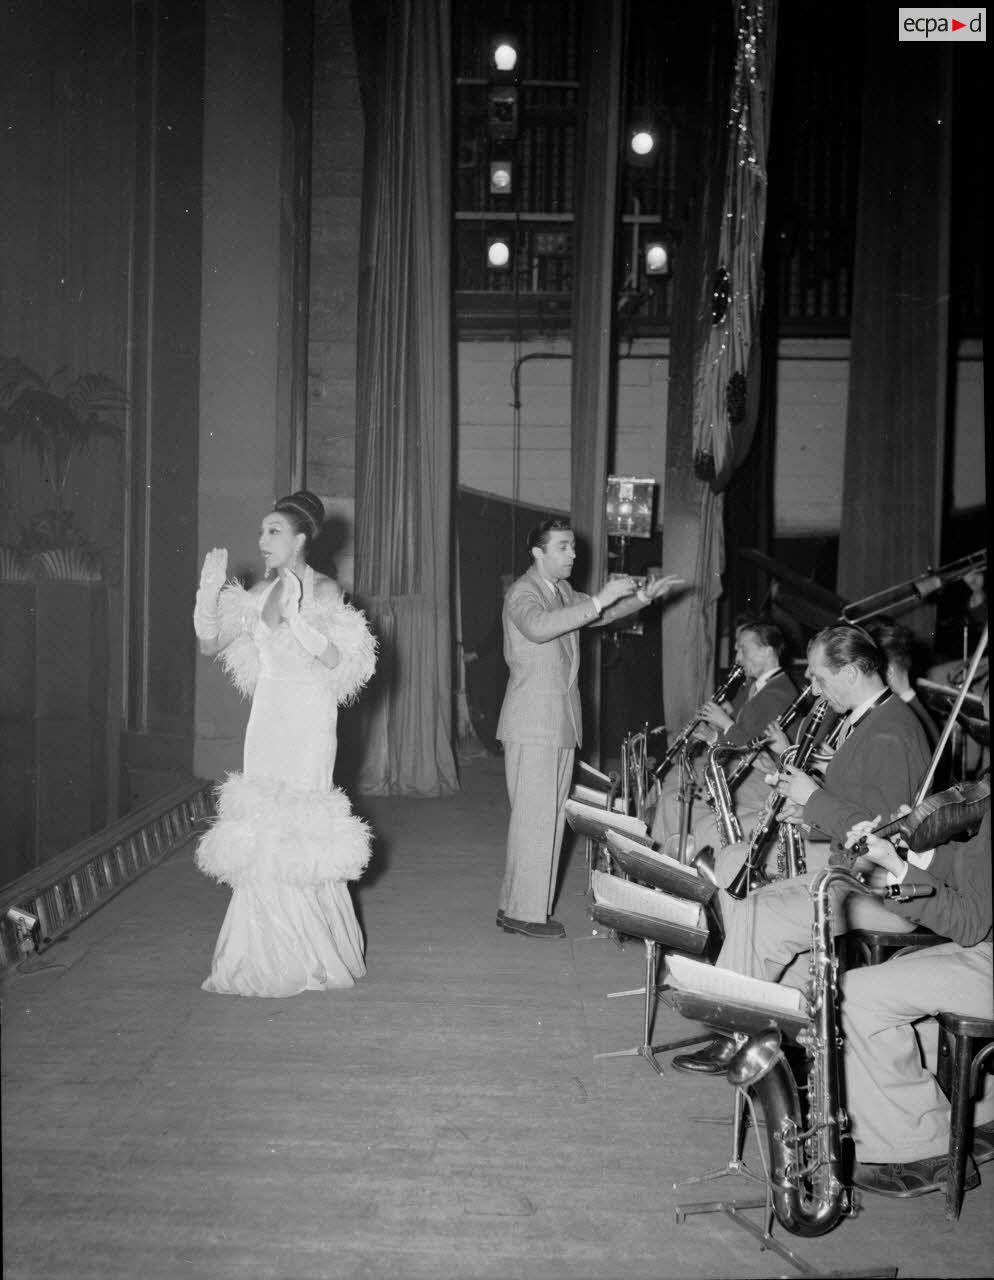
(934, 821)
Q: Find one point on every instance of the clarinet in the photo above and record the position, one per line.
(800, 753)
(755, 746)
(732, 682)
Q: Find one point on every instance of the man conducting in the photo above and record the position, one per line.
(540, 718)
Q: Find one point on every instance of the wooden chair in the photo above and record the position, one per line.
(873, 946)
(966, 1048)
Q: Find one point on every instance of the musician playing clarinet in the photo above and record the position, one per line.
(898, 1114)
(540, 717)
(879, 764)
(767, 693)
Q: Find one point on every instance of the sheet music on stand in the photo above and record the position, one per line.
(657, 869)
(731, 1001)
(590, 820)
(638, 899)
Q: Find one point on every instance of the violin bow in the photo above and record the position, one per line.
(978, 653)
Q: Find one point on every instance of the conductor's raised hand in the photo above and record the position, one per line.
(214, 571)
(615, 589)
(659, 588)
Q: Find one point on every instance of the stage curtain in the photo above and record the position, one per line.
(898, 394)
(715, 349)
(593, 366)
(404, 397)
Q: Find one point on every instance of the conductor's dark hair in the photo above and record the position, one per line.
(766, 632)
(897, 642)
(304, 510)
(539, 536)
(844, 643)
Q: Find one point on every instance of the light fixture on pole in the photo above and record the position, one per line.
(501, 175)
(628, 510)
(642, 145)
(502, 96)
(657, 258)
(498, 253)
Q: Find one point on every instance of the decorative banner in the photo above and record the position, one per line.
(725, 401)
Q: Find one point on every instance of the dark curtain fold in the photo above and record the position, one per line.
(404, 397)
(593, 366)
(898, 369)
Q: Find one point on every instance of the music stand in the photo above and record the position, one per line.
(638, 911)
(594, 823)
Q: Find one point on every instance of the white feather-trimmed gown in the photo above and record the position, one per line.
(285, 837)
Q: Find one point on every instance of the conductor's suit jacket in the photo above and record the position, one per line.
(542, 702)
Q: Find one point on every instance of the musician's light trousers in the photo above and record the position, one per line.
(749, 804)
(538, 783)
(768, 928)
(897, 1109)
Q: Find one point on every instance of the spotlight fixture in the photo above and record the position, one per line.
(501, 177)
(657, 258)
(26, 928)
(643, 143)
(503, 55)
(498, 253)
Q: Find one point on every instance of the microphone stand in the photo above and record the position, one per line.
(950, 724)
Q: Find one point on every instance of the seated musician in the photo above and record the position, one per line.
(899, 1116)
(879, 765)
(896, 642)
(767, 693)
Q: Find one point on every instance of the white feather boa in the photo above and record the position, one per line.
(265, 831)
(343, 624)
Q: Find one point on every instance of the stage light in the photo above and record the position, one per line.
(643, 143)
(501, 177)
(504, 55)
(657, 258)
(498, 253)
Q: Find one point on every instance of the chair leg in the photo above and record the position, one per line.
(959, 1137)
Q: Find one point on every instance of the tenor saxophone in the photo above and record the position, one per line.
(807, 1179)
(720, 797)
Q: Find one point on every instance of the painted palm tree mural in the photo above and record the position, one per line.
(54, 420)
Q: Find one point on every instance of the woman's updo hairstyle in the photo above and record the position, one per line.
(305, 511)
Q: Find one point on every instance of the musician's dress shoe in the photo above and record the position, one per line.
(911, 1179)
(711, 1060)
(532, 928)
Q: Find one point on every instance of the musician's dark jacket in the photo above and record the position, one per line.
(877, 769)
(960, 873)
(752, 715)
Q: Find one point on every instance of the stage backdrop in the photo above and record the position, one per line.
(404, 397)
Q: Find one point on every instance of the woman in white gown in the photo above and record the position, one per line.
(285, 838)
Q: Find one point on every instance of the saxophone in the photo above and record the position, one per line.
(806, 1176)
(720, 797)
(798, 755)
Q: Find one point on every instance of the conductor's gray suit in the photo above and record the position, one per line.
(540, 728)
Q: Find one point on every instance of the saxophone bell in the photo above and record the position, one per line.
(756, 1059)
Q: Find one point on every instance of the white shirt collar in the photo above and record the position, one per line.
(859, 712)
(762, 681)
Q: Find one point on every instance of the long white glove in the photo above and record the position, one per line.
(206, 612)
(310, 637)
